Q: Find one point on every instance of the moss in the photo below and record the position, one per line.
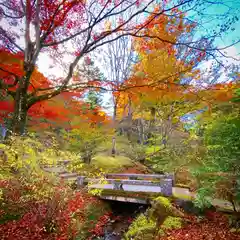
(161, 208)
(9, 217)
(172, 223)
(141, 228)
(182, 196)
(144, 228)
(164, 201)
(108, 163)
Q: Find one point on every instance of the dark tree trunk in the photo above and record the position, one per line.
(113, 146)
(21, 107)
(19, 118)
(20, 110)
(87, 159)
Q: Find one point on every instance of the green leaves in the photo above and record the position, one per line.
(236, 98)
(85, 140)
(220, 171)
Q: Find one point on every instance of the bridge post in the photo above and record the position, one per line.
(80, 180)
(166, 185)
(117, 186)
(171, 176)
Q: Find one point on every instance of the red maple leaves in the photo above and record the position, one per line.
(60, 109)
(48, 220)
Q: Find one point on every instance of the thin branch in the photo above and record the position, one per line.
(37, 25)
(5, 34)
(13, 17)
(98, 21)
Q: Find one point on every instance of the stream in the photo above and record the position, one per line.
(123, 214)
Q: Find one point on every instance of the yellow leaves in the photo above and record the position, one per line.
(108, 25)
(159, 71)
(101, 113)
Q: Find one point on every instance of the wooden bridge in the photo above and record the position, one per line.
(134, 186)
(129, 184)
(158, 184)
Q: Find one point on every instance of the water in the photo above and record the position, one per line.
(124, 213)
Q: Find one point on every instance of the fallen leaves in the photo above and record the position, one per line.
(213, 227)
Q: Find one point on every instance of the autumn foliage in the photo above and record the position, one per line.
(54, 218)
(215, 226)
(162, 65)
(58, 110)
(165, 73)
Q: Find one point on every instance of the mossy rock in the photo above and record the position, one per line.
(164, 201)
(161, 208)
(144, 228)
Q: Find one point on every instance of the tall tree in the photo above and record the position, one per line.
(118, 59)
(156, 83)
(70, 30)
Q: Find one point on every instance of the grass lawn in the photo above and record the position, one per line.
(109, 163)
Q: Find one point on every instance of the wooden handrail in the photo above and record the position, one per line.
(124, 181)
(156, 176)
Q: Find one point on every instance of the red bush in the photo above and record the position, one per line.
(30, 226)
(47, 219)
(98, 230)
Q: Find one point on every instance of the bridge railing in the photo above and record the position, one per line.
(164, 183)
(140, 176)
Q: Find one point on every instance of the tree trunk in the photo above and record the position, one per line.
(114, 136)
(19, 117)
(113, 146)
(21, 107)
(87, 159)
(129, 121)
(141, 132)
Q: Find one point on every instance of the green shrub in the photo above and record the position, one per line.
(219, 174)
(84, 141)
(39, 200)
(136, 152)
